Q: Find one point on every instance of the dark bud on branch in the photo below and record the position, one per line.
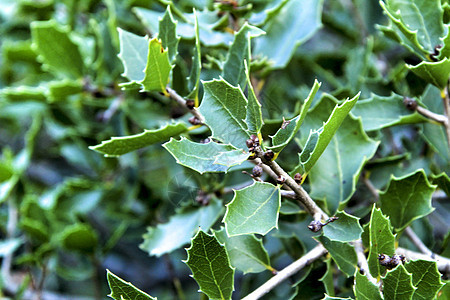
(190, 104)
(315, 225)
(410, 104)
(281, 180)
(269, 155)
(391, 262)
(249, 143)
(194, 121)
(257, 171)
(298, 178)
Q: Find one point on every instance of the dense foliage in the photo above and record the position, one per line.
(302, 141)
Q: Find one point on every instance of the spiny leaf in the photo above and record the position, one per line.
(407, 198)
(157, 69)
(194, 77)
(425, 277)
(246, 252)
(79, 237)
(344, 229)
(289, 26)
(120, 145)
(330, 127)
(133, 54)
(164, 238)
(381, 241)
(231, 158)
(202, 157)
(334, 176)
(364, 289)
(254, 117)
(224, 108)
(436, 73)
(327, 278)
(397, 284)
(254, 209)
(379, 112)
(210, 266)
(56, 49)
(444, 52)
(122, 290)
(342, 253)
(286, 133)
(422, 17)
(234, 69)
(168, 34)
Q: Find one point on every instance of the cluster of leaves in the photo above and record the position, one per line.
(104, 76)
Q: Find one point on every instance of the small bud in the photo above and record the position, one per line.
(205, 141)
(194, 121)
(410, 104)
(391, 262)
(269, 155)
(254, 137)
(249, 143)
(190, 104)
(298, 178)
(281, 180)
(315, 226)
(257, 171)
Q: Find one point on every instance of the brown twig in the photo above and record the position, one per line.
(431, 115)
(362, 261)
(446, 98)
(417, 242)
(302, 195)
(287, 272)
(180, 100)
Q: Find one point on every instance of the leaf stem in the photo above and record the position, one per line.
(302, 195)
(174, 95)
(443, 263)
(287, 272)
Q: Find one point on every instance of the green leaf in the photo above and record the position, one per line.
(286, 133)
(224, 108)
(168, 34)
(381, 241)
(327, 297)
(231, 158)
(157, 69)
(379, 112)
(344, 229)
(254, 209)
(290, 26)
(210, 266)
(6, 171)
(234, 68)
(120, 145)
(327, 278)
(445, 50)
(164, 238)
(425, 277)
(246, 252)
(335, 119)
(407, 198)
(443, 182)
(80, 237)
(364, 289)
(122, 290)
(60, 90)
(397, 284)
(194, 77)
(254, 117)
(421, 17)
(133, 54)
(334, 176)
(209, 157)
(56, 49)
(342, 253)
(436, 73)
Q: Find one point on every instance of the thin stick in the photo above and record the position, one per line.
(287, 272)
(417, 242)
(372, 189)
(174, 95)
(302, 195)
(288, 194)
(362, 261)
(431, 115)
(443, 263)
